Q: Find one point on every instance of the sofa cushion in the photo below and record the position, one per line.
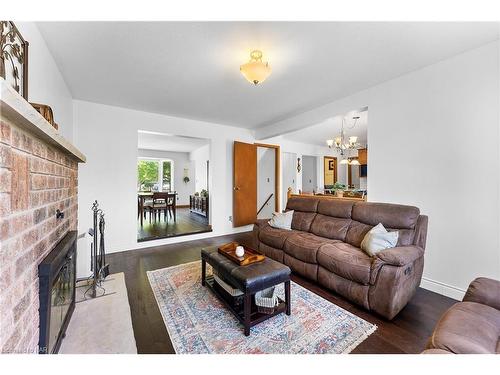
(271, 252)
(390, 215)
(302, 204)
(356, 232)
(330, 227)
(346, 260)
(335, 207)
(308, 270)
(468, 327)
(304, 246)
(485, 291)
(351, 290)
(406, 236)
(302, 220)
(274, 237)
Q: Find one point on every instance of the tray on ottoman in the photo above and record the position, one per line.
(250, 256)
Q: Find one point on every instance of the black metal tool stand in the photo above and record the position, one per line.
(99, 267)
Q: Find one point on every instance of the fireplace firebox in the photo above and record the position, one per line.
(57, 278)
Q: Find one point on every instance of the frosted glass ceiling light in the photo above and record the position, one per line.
(255, 71)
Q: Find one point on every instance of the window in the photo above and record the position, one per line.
(155, 174)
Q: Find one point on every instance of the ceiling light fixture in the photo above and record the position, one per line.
(255, 71)
(342, 143)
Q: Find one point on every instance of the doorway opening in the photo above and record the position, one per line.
(289, 167)
(268, 166)
(172, 186)
(309, 174)
(256, 172)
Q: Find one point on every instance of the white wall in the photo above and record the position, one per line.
(181, 161)
(309, 174)
(288, 175)
(266, 178)
(434, 143)
(200, 156)
(45, 83)
(108, 137)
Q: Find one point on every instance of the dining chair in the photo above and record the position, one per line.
(159, 204)
(171, 205)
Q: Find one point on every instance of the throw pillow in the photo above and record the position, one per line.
(282, 220)
(378, 239)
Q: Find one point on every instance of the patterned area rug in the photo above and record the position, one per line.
(198, 322)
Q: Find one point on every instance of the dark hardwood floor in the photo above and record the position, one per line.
(407, 333)
(186, 223)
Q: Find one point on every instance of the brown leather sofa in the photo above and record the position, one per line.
(324, 246)
(471, 326)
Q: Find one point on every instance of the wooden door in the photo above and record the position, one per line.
(363, 156)
(244, 184)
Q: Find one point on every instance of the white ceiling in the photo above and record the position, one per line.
(330, 128)
(191, 69)
(166, 142)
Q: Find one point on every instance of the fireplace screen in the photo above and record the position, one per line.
(57, 274)
(61, 298)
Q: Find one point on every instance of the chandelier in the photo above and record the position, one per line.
(343, 144)
(255, 71)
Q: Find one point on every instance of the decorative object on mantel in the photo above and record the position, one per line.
(14, 57)
(46, 112)
(255, 71)
(16, 109)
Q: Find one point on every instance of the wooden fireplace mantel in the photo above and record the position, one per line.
(16, 109)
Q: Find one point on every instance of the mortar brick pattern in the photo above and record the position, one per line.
(36, 179)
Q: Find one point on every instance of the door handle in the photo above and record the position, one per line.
(236, 188)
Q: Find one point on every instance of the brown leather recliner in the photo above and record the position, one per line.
(471, 326)
(324, 246)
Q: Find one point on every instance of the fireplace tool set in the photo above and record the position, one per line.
(99, 267)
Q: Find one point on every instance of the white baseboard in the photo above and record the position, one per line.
(442, 288)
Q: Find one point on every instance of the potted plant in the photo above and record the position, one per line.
(339, 189)
(204, 193)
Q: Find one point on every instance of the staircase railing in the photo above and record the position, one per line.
(267, 200)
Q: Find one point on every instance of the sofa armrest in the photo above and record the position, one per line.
(261, 223)
(485, 291)
(401, 255)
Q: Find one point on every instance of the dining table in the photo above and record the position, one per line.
(143, 195)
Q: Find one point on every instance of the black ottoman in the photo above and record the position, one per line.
(249, 279)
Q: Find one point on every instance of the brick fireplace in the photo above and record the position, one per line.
(37, 177)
